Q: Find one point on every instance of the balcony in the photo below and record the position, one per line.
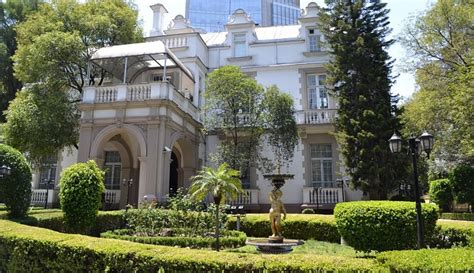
(322, 198)
(316, 116)
(139, 93)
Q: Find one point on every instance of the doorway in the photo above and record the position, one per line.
(174, 165)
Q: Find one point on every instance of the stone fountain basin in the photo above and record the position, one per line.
(264, 246)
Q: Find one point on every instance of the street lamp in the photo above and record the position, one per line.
(129, 184)
(426, 142)
(340, 184)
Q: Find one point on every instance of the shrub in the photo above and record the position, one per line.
(441, 193)
(31, 249)
(428, 260)
(228, 239)
(81, 187)
(465, 227)
(149, 222)
(15, 189)
(308, 211)
(296, 226)
(462, 178)
(463, 216)
(382, 225)
(449, 237)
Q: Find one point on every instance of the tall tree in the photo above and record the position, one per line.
(440, 44)
(54, 45)
(12, 13)
(359, 73)
(233, 110)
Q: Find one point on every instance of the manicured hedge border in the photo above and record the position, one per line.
(428, 260)
(229, 239)
(32, 249)
(462, 216)
(296, 226)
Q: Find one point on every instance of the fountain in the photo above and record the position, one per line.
(276, 244)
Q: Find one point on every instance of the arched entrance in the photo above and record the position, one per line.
(174, 166)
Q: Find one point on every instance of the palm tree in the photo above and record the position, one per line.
(223, 183)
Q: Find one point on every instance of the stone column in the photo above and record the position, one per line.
(85, 142)
(161, 157)
(144, 187)
(150, 182)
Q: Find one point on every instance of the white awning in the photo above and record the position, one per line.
(142, 55)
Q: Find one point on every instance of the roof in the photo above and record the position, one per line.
(139, 56)
(264, 34)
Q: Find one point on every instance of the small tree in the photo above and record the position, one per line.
(441, 193)
(222, 183)
(462, 178)
(280, 124)
(82, 185)
(15, 189)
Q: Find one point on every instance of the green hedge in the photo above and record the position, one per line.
(461, 226)
(296, 226)
(463, 216)
(31, 249)
(229, 239)
(428, 260)
(382, 225)
(54, 219)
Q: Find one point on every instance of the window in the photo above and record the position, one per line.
(159, 77)
(48, 173)
(317, 93)
(245, 178)
(321, 165)
(113, 169)
(314, 40)
(240, 45)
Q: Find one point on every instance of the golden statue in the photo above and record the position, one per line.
(277, 208)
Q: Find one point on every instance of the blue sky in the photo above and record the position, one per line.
(400, 11)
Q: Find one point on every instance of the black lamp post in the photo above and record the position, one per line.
(129, 184)
(426, 141)
(340, 183)
(48, 184)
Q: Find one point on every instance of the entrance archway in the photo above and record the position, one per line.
(174, 166)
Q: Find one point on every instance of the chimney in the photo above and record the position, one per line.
(159, 12)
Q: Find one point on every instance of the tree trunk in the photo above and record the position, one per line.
(217, 226)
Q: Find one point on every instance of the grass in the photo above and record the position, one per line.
(311, 247)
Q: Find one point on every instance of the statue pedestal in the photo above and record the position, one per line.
(275, 239)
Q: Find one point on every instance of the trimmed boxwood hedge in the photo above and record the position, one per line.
(428, 260)
(32, 249)
(463, 216)
(382, 225)
(229, 239)
(296, 226)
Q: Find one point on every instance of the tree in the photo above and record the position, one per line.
(54, 46)
(359, 76)
(440, 46)
(222, 183)
(233, 110)
(462, 179)
(280, 125)
(39, 111)
(441, 193)
(11, 14)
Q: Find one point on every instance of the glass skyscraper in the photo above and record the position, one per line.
(212, 15)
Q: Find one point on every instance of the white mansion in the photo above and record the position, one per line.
(143, 123)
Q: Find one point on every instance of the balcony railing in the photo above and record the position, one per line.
(322, 196)
(38, 197)
(248, 197)
(175, 42)
(319, 116)
(112, 196)
(140, 92)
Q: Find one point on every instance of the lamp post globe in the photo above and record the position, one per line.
(395, 143)
(427, 142)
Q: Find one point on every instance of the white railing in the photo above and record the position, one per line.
(321, 116)
(322, 195)
(106, 94)
(248, 197)
(138, 92)
(112, 196)
(175, 42)
(141, 92)
(38, 197)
